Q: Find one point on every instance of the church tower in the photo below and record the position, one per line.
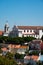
(6, 29)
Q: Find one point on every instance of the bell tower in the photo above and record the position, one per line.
(6, 29)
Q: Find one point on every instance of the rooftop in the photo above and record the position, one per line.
(30, 27)
(16, 46)
(34, 57)
(1, 32)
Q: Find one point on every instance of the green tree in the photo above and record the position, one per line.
(41, 52)
(0, 50)
(6, 61)
(35, 52)
(17, 40)
(19, 56)
(9, 55)
(27, 52)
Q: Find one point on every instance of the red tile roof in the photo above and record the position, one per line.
(16, 46)
(1, 32)
(30, 27)
(13, 46)
(4, 49)
(34, 57)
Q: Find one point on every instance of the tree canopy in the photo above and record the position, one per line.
(7, 59)
(17, 40)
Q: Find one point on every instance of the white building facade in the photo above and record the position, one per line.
(24, 31)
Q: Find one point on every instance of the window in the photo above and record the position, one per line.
(30, 30)
(24, 30)
(42, 30)
(7, 29)
(27, 30)
(36, 35)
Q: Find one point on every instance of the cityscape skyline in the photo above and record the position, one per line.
(21, 12)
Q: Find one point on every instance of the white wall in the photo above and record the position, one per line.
(5, 34)
(20, 34)
(40, 33)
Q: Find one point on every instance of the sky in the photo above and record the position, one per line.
(21, 12)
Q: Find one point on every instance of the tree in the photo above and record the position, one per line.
(9, 55)
(35, 52)
(19, 56)
(41, 52)
(0, 51)
(17, 40)
(27, 52)
(6, 61)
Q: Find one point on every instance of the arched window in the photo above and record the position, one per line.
(24, 30)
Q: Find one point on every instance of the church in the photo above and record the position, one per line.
(23, 31)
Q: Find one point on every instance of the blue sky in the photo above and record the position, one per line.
(21, 12)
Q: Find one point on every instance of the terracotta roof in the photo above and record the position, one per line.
(23, 46)
(1, 32)
(16, 46)
(4, 49)
(13, 46)
(34, 57)
(30, 27)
